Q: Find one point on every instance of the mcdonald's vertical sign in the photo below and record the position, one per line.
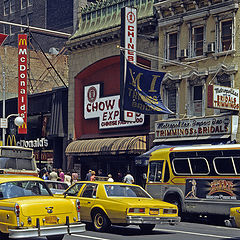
(22, 81)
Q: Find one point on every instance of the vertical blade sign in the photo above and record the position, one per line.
(22, 81)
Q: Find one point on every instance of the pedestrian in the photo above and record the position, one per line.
(88, 175)
(53, 175)
(74, 177)
(119, 177)
(110, 179)
(68, 178)
(128, 178)
(45, 175)
(92, 178)
(61, 175)
(100, 172)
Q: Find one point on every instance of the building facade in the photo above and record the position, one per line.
(199, 44)
(94, 70)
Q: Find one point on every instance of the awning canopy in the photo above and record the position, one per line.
(142, 160)
(114, 146)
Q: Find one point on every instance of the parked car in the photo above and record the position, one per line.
(29, 209)
(105, 203)
(56, 187)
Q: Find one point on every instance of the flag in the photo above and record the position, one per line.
(2, 38)
(142, 91)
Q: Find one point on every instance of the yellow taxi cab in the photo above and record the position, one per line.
(29, 209)
(234, 220)
(107, 203)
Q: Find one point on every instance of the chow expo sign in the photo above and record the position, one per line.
(107, 109)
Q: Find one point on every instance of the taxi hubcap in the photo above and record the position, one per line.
(98, 220)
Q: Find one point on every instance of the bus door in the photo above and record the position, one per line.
(155, 176)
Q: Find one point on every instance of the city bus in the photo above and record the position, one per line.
(17, 160)
(202, 180)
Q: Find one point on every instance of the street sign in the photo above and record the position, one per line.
(3, 123)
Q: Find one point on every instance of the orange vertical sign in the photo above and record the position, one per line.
(22, 81)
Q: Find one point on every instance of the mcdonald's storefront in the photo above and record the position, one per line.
(46, 127)
(102, 141)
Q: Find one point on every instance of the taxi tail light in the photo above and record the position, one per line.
(78, 207)
(136, 210)
(17, 212)
(169, 211)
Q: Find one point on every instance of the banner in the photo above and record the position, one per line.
(2, 38)
(142, 91)
(22, 81)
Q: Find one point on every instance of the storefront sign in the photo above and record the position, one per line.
(39, 142)
(22, 81)
(223, 97)
(193, 127)
(107, 109)
(129, 42)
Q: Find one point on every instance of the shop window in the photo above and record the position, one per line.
(226, 35)
(198, 39)
(172, 46)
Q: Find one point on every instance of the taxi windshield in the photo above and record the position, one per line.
(125, 191)
(23, 189)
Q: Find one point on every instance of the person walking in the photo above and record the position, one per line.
(68, 178)
(74, 177)
(53, 175)
(92, 178)
(88, 175)
(128, 178)
(110, 179)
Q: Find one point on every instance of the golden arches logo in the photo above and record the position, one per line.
(22, 42)
(24, 125)
(11, 140)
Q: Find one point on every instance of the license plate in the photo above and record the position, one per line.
(154, 211)
(51, 219)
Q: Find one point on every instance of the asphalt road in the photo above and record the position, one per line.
(183, 231)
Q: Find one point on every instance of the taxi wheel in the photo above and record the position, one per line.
(56, 237)
(100, 221)
(147, 227)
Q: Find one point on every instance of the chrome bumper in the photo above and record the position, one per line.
(44, 231)
(152, 220)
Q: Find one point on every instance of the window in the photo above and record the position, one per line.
(191, 166)
(226, 35)
(224, 165)
(12, 6)
(6, 7)
(171, 101)
(90, 191)
(197, 100)
(74, 190)
(30, 2)
(155, 171)
(198, 40)
(29, 19)
(172, 46)
(23, 4)
(6, 29)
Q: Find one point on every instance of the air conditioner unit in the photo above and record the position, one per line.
(211, 47)
(184, 53)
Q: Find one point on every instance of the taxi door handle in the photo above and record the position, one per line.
(89, 202)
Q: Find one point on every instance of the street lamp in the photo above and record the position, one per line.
(4, 124)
